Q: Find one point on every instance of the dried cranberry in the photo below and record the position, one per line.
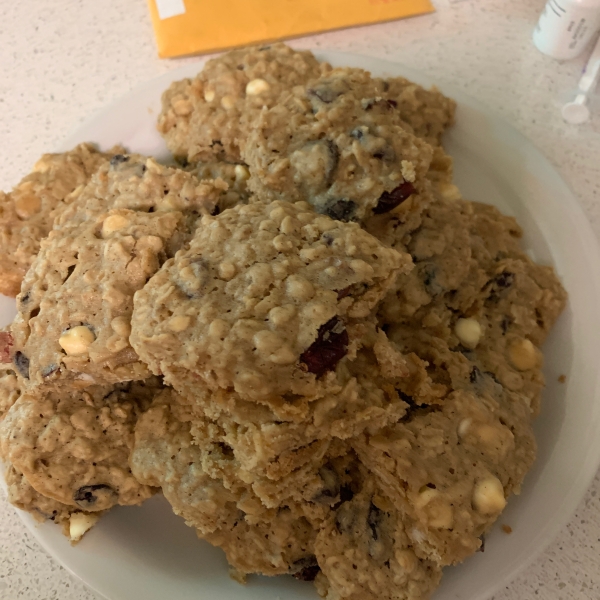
(328, 349)
(389, 200)
(6, 342)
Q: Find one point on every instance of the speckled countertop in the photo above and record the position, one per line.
(64, 60)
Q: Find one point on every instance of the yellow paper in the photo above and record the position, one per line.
(195, 26)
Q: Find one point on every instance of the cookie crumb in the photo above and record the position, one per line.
(238, 576)
(562, 378)
(507, 529)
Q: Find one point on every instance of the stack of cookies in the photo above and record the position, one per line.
(302, 335)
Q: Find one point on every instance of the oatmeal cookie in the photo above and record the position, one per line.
(349, 156)
(364, 553)
(76, 300)
(473, 291)
(428, 112)
(264, 301)
(28, 212)
(10, 390)
(73, 446)
(235, 175)
(208, 117)
(272, 442)
(451, 467)
(74, 522)
(254, 538)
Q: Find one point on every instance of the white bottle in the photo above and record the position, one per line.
(566, 26)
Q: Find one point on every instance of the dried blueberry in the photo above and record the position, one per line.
(475, 375)
(328, 239)
(358, 133)
(340, 210)
(389, 200)
(95, 497)
(306, 569)
(25, 298)
(504, 280)
(334, 159)
(331, 484)
(323, 93)
(346, 493)
(357, 289)
(22, 364)
(328, 349)
(117, 159)
(387, 154)
(380, 103)
(505, 324)
(49, 370)
(70, 270)
(374, 519)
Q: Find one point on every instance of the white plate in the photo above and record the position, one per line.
(149, 553)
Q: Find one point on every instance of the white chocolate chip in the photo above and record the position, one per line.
(468, 331)
(523, 355)
(289, 225)
(226, 271)
(449, 191)
(79, 523)
(426, 495)
(218, 329)
(179, 323)
(280, 315)
(299, 288)
(278, 214)
(227, 102)
(440, 516)
(76, 341)
(282, 243)
(362, 268)
(267, 342)
(283, 356)
(113, 223)
(209, 95)
(267, 225)
(182, 106)
(488, 496)
(408, 170)
(256, 87)
(407, 559)
(241, 172)
(464, 426)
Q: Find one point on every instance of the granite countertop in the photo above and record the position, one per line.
(64, 60)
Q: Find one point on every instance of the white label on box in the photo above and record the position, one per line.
(169, 8)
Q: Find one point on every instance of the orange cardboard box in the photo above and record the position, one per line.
(194, 26)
